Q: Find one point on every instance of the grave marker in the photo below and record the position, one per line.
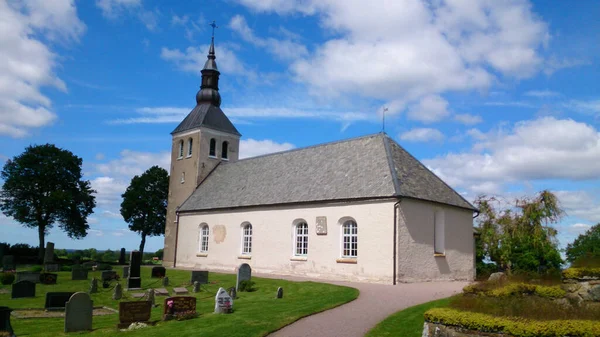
(244, 274)
(280, 292)
(165, 281)
(178, 305)
(134, 281)
(49, 253)
(94, 286)
(122, 256)
(131, 312)
(151, 294)
(5, 325)
(48, 278)
(117, 292)
(23, 289)
(8, 263)
(57, 300)
(180, 291)
(158, 272)
(223, 302)
(232, 292)
(196, 287)
(79, 312)
(31, 276)
(161, 292)
(200, 276)
(125, 272)
(79, 273)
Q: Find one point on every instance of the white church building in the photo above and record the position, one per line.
(361, 209)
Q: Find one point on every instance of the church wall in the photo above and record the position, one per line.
(273, 241)
(416, 260)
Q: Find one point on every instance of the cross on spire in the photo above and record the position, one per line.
(213, 25)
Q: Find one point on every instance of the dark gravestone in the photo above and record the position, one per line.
(78, 312)
(32, 276)
(23, 289)
(57, 300)
(5, 325)
(179, 305)
(125, 272)
(49, 264)
(48, 278)
(158, 272)
(79, 274)
(200, 276)
(51, 267)
(134, 280)
(280, 292)
(244, 274)
(122, 256)
(136, 311)
(8, 263)
(109, 275)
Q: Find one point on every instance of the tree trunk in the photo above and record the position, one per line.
(142, 245)
(42, 237)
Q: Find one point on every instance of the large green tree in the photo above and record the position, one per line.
(585, 247)
(520, 237)
(144, 205)
(43, 186)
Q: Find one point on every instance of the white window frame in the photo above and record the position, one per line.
(211, 148)
(301, 238)
(204, 237)
(439, 232)
(247, 239)
(349, 234)
(190, 144)
(180, 154)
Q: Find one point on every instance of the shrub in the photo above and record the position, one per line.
(37, 268)
(104, 266)
(247, 286)
(506, 289)
(578, 273)
(66, 268)
(515, 327)
(7, 278)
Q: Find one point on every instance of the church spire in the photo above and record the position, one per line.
(209, 90)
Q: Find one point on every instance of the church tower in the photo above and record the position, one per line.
(200, 142)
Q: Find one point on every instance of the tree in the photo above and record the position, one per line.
(144, 205)
(585, 247)
(520, 238)
(43, 186)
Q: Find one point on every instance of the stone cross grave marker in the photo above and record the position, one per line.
(134, 281)
(131, 312)
(280, 292)
(8, 263)
(79, 273)
(48, 278)
(122, 256)
(244, 274)
(5, 325)
(223, 302)
(200, 276)
(57, 300)
(117, 292)
(31, 276)
(23, 289)
(177, 305)
(196, 286)
(79, 312)
(125, 272)
(158, 272)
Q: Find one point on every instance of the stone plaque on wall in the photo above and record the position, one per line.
(321, 225)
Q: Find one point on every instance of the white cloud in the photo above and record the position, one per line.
(192, 60)
(554, 64)
(27, 62)
(468, 119)
(422, 135)
(132, 163)
(430, 109)
(96, 232)
(542, 93)
(108, 190)
(113, 9)
(252, 148)
(545, 148)
(591, 107)
(580, 204)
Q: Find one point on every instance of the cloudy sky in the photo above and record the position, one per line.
(496, 97)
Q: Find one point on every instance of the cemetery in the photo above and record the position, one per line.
(193, 302)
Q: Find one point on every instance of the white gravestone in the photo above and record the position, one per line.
(223, 302)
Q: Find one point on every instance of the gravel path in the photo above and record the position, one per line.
(374, 304)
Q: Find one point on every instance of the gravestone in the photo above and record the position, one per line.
(223, 302)
(109, 275)
(180, 291)
(138, 295)
(31, 276)
(158, 272)
(23, 289)
(161, 292)
(150, 294)
(174, 306)
(51, 267)
(94, 286)
(57, 300)
(5, 325)
(48, 278)
(244, 274)
(165, 281)
(280, 292)
(232, 292)
(131, 312)
(79, 312)
(125, 272)
(49, 253)
(122, 256)
(200, 276)
(79, 273)
(134, 281)
(117, 292)
(8, 263)
(196, 287)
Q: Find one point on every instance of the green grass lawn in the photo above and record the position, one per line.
(406, 323)
(256, 313)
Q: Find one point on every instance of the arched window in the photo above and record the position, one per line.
(180, 149)
(213, 148)
(301, 238)
(247, 239)
(439, 236)
(349, 239)
(204, 231)
(224, 149)
(190, 143)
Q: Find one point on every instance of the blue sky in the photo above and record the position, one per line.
(496, 97)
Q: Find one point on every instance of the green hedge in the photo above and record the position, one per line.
(577, 273)
(514, 289)
(515, 327)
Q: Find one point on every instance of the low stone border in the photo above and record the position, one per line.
(18, 313)
(440, 330)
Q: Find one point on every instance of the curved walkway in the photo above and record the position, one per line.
(374, 304)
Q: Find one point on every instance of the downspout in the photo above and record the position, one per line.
(176, 235)
(395, 237)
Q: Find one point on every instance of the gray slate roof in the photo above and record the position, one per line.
(360, 168)
(209, 116)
